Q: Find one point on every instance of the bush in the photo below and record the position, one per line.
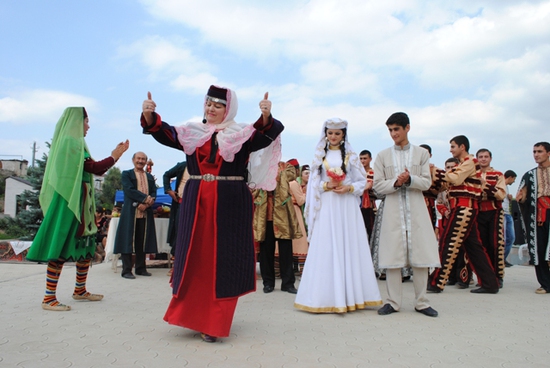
(13, 228)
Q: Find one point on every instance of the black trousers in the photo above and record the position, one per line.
(267, 259)
(139, 243)
(542, 270)
(368, 219)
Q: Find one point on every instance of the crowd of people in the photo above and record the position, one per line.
(404, 218)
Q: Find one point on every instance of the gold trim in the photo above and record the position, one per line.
(349, 308)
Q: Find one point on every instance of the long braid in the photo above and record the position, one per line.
(343, 150)
(321, 165)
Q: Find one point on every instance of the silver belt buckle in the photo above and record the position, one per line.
(208, 177)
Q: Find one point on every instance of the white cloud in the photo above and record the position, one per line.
(169, 60)
(39, 106)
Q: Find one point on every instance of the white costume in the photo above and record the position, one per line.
(338, 274)
(406, 235)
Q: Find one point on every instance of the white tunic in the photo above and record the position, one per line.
(407, 237)
(338, 274)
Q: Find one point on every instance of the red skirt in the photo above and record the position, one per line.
(196, 306)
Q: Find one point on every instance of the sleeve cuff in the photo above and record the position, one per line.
(259, 124)
(151, 128)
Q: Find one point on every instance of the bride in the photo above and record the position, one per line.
(338, 275)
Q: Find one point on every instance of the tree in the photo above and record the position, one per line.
(29, 216)
(111, 183)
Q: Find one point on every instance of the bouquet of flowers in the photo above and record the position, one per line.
(336, 174)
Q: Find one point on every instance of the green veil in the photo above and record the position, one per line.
(65, 165)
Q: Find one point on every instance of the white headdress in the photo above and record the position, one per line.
(231, 136)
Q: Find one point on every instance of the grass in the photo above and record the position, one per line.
(7, 236)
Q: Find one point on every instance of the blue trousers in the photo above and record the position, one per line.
(509, 234)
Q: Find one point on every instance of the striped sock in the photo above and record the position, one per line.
(52, 277)
(81, 276)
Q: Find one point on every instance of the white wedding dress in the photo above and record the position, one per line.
(338, 275)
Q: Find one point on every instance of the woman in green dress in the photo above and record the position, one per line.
(68, 230)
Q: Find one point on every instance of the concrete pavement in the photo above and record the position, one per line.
(509, 329)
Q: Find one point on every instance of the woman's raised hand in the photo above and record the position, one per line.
(265, 107)
(149, 105)
(120, 149)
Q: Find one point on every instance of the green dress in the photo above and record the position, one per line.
(61, 235)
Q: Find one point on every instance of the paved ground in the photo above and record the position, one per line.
(510, 329)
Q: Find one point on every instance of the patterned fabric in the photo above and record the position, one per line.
(543, 180)
(368, 199)
(464, 180)
(82, 268)
(52, 277)
(530, 213)
(143, 187)
(494, 190)
(491, 218)
(491, 232)
(461, 231)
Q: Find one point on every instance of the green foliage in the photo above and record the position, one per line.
(2, 184)
(29, 216)
(13, 228)
(111, 183)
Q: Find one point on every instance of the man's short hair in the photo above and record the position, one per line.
(453, 160)
(461, 140)
(426, 147)
(365, 152)
(510, 174)
(481, 150)
(546, 145)
(398, 118)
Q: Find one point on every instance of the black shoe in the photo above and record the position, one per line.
(129, 276)
(144, 273)
(508, 264)
(208, 338)
(291, 290)
(430, 312)
(268, 289)
(405, 278)
(451, 282)
(386, 309)
(482, 290)
(500, 283)
(433, 289)
(462, 285)
(382, 277)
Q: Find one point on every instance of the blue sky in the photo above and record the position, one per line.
(479, 68)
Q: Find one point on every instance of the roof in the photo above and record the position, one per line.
(21, 180)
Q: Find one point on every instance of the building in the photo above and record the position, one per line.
(14, 167)
(14, 187)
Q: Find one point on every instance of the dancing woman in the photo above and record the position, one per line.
(68, 231)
